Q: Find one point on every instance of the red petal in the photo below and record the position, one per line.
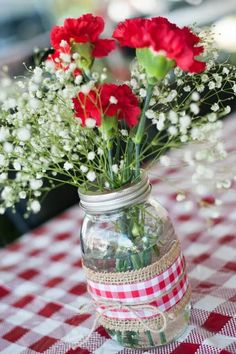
(197, 67)
(86, 28)
(86, 106)
(133, 33)
(102, 47)
(58, 34)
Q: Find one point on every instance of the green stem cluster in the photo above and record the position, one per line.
(141, 128)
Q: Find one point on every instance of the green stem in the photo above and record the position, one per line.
(149, 335)
(137, 160)
(141, 127)
(110, 161)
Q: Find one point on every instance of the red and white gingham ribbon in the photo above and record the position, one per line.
(163, 291)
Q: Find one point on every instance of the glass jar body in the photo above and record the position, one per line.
(127, 240)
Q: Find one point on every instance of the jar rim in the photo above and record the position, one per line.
(131, 193)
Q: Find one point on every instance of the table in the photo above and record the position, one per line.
(42, 283)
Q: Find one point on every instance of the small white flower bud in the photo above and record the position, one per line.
(35, 206)
(91, 176)
(113, 100)
(68, 166)
(91, 155)
(23, 134)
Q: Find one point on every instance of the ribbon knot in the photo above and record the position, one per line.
(106, 306)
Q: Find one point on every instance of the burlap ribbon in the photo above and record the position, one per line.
(158, 320)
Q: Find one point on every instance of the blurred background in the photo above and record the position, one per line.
(24, 32)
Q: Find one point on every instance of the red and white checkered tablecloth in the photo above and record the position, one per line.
(42, 282)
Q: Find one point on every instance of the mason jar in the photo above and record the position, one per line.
(134, 266)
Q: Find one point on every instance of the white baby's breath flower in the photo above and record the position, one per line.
(143, 93)
(68, 166)
(33, 87)
(185, 121)
(83, 168)
(22, 194)
(10, 103)
(100, 151)
(152, 102)
(215, 107)
(91, 176)
(91, 155)
(50, 66)
(173, 117)
(194, 108)
(103, 77)
(7, 147)
(75, 56)
(211, 85)
(63, 43)
(85, 89)
(227, 110)
(4, 133)
(35, 206)
(39, 94)
(195, 96)
(150, 114)
(3, 176)
(212, 117)
(65, 57)
(173, 131)
(17, 165)
(6, 193)
(184, 138)
(78, 79)
(225, 71)
(23, 134)
(204, 78)
(34, 104)
(38, 72)
(134, 83)
(115, 168)
(36, 184)
(187, 88)
(2, 210)
(124, 132)
(171, 96)
(90, 123)
(113, 100)
(159, 124)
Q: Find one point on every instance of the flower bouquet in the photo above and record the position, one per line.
(65, 123)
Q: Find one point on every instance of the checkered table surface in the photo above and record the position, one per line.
(42, 282)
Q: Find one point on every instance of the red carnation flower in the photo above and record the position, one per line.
(108, 100)
(85, 29)
(88, 106)
(178, 44)
(120, 101)
(158, 34)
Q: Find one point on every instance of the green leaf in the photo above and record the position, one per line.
(155, 65)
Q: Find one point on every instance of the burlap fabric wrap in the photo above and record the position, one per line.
(176, 317)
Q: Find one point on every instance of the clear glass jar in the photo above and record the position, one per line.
(127, 230)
